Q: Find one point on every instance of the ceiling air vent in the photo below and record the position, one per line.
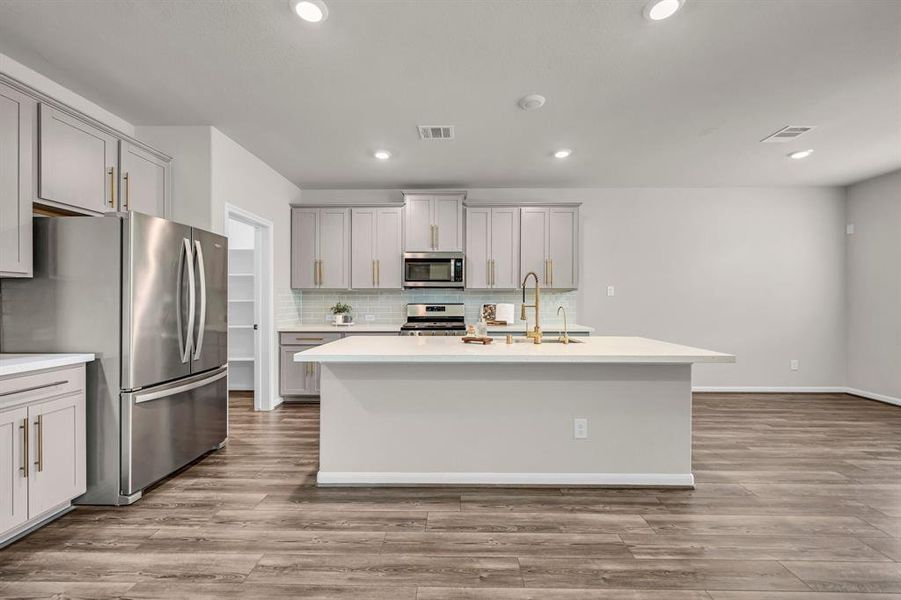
(787, 134)
(436, 132)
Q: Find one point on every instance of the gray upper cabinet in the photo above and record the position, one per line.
(376, 247)
(433, 222)
(492, 248)
(550, 245)
(17, 114)
(77, 162)
(320, 248)
(145, 181)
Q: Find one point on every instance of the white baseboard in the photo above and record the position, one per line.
(755, 389)
(351, 478)
(730, 389)
(874, 396)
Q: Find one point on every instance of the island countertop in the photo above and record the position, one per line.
(437, 349)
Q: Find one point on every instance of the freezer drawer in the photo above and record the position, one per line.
(166, 427)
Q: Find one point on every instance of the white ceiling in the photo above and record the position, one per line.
(682, 102)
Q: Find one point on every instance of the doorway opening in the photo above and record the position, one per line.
(250, 305)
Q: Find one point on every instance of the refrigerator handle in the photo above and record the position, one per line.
(198, 346)
(189, 330)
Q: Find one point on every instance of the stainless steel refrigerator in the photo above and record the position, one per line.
(149, 297)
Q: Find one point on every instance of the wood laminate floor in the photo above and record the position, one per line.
(798, 498)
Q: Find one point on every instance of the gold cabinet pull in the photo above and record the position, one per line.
(24, 428)
(551, 263)
(488, 272)
(378, 272)
(39, 425)
(127, 191)
(320, 270)
(437, 237)
(315, 271)
(112, 187)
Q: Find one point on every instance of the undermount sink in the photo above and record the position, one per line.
(547, 340)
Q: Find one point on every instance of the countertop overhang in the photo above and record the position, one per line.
(590, 350)
(14, 364)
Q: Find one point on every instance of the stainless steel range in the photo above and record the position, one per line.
(435, 319)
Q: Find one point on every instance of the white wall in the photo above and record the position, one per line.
(20, 72)
(241, 236)
(758, 272)
(874, 287)
(242, 180)
(190, 149)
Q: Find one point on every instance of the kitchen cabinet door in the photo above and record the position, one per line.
(448, 220)
(145, 181)
(13, 480)
(16, 190)
(57, 440)
(478, 248)
(389, 248)
(563, 230)
(418, 231)
(295, 378)
(364, 226)
(304, 251)
(505, 248)
(77, 163)
(334, 246)
(534, 243)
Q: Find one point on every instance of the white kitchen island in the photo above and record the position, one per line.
(412, 410)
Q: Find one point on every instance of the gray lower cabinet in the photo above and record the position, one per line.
(42, 431)
(301, 379)
(17, 112)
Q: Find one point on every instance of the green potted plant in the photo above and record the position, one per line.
(342, 313)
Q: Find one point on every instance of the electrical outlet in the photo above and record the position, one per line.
(611, 291)
(370, 317)
(793, 365)
(850, 229)
(580, 429)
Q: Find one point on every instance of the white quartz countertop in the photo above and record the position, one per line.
(425, 349)
(395, 327)
(13, 364)
(359, 328)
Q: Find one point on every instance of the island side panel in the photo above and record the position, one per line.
(395, 423)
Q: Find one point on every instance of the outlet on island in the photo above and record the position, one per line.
(580, 429)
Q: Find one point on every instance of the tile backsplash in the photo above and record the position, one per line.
(311, 307)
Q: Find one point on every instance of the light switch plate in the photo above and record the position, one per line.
(611, 291)
(794, 365)
(370, 317)
(850, 229)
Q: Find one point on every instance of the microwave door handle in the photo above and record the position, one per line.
(202, 273)
(189, 330)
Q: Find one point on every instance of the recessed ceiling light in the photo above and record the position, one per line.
(312, 11)
(657, 10)
(531, 102)
(382, 154)
(563, 153)
(801, 154)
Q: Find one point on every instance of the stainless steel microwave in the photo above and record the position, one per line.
(433, 270)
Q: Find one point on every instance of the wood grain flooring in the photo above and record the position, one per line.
(798, 498)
